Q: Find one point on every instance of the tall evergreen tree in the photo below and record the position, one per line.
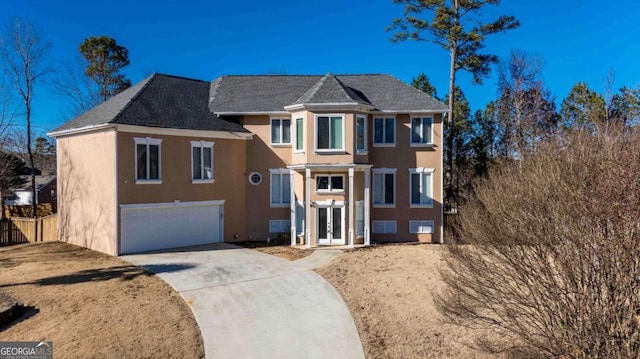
(454, 26)
(422, 83)
(625, 107)
(105, 61)
(583, 108)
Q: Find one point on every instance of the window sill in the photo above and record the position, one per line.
(298, 152)
(420, 232)
(331, 152)
(384, 145)
(421, 206)
(384, 206)
(427, 145)
(198, 181)
(280, 205)
(139, 181)
(280, 145)
(362, 153)
(330, 192)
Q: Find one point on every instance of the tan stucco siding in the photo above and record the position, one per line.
(402, 157)
(86, 190)
(262, 156)
(177, 185)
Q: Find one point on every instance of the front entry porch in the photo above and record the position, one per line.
(326, 210)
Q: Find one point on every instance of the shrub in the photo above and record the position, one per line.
(552, 265)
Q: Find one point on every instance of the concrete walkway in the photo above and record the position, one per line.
(254, 305)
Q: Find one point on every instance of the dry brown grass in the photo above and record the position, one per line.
(94, 306)
(388, 290)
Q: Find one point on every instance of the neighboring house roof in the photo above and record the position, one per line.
(41, 181)
(272, 93)
(162, 101)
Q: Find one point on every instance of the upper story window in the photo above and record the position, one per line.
(280, 187)
(361, 134)
(147, 159)
(421, 130)
(329, 133)
(384, 187)
(384, 131)
(299, 135)
(280, 131)
(202, 161)
(329, 183)
(421, 187)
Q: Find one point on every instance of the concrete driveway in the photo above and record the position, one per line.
(254, 305)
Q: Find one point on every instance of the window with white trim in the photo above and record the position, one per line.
(330, 132)
(202, 161)
(384, 186)
(384, 227)
(299, 134)
(279, 226)
(420, 226)
(361, 133)
(330, 183)
(148, 162)
(384, 131)
(421, 186)
(359, 218)
(421, 130)
(280, 131)
(280, 187)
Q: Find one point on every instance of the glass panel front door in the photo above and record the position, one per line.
(330, 226)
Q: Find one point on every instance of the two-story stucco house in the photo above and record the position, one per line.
(333, 160)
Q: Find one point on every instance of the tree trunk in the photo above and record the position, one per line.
(452, 80)
(33, 168)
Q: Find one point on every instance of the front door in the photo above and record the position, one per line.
(330, 225)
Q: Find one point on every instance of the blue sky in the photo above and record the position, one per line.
(578, 40)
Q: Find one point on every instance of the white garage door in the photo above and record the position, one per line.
(147, 227)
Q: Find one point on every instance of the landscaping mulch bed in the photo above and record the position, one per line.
(91, 305)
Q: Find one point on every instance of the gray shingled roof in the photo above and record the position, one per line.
(158, 101)
(270, 93)
(330, 90)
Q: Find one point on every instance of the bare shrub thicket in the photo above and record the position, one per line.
(552, 261)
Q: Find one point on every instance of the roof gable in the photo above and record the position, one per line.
(330, 90)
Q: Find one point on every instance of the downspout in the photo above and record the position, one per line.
(442, 183)
(116, 218)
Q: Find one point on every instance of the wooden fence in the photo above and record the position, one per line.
(28, 230)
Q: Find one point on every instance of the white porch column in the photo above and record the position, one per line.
(351, 205)
(292, 174)
(307, 208)
(367, 206)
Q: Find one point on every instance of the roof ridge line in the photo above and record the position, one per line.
(314, 89)
(179, 77)
(213, 91)
(133, 98)
(343, 87)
